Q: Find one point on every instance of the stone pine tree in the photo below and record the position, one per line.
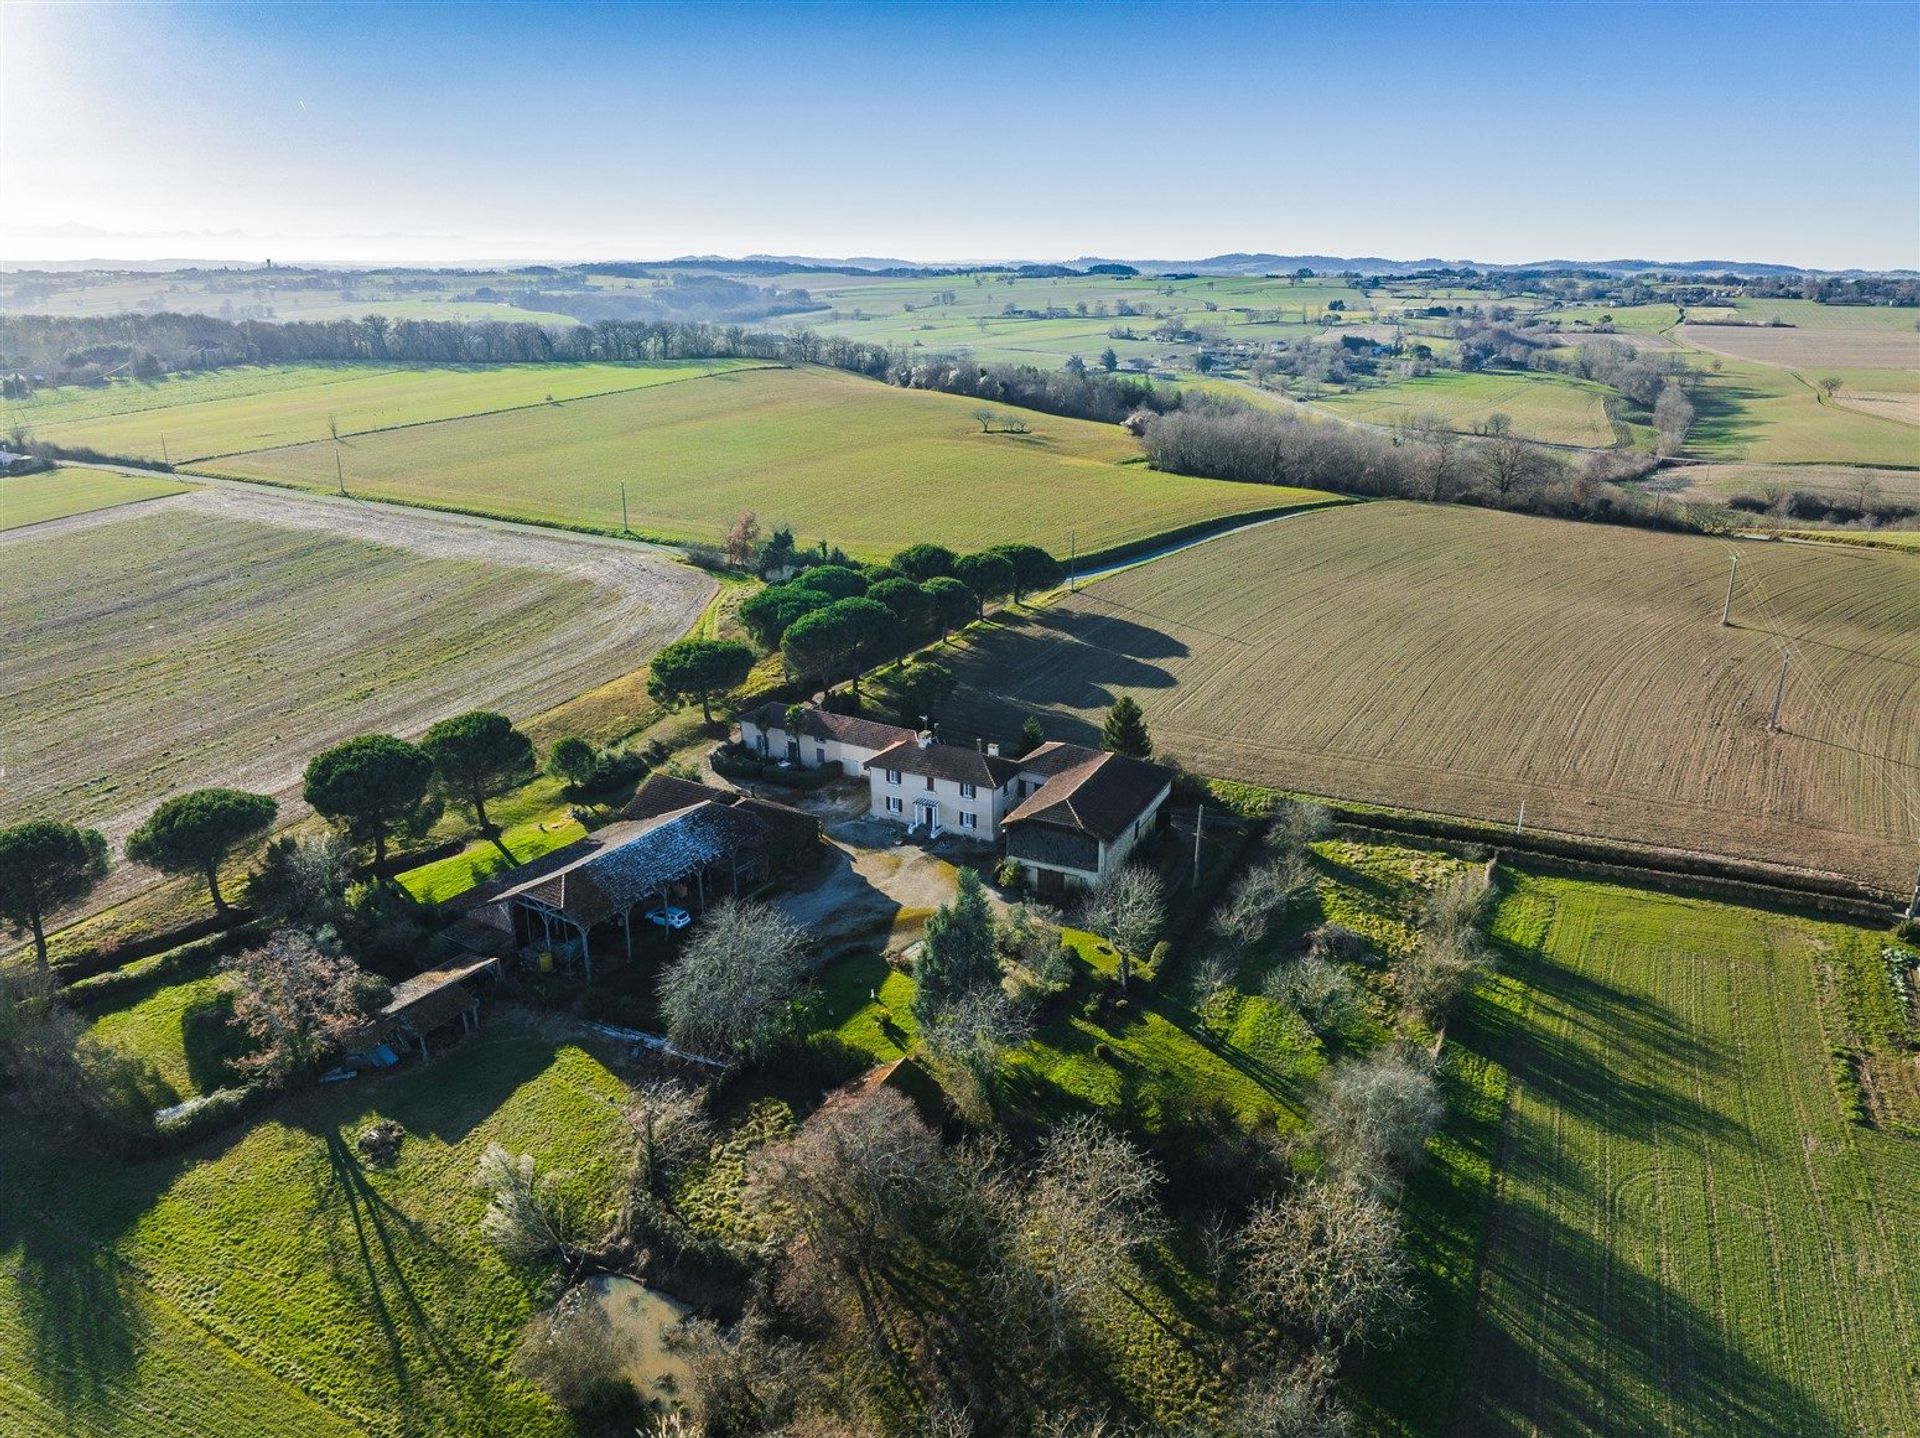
(957, 956)
(476, 756)
(46, 864)
(194, 833)
(372, 787)
(1125, 730)
(698, 670)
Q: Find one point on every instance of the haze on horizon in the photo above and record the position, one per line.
(471, 134)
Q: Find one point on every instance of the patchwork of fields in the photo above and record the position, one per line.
(1469, 663)
(1688, 1236)
(1541, 406)
(841, 458)
(226, 636)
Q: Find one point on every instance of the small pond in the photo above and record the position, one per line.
(641, 1319)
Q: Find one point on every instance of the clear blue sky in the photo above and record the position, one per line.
(932, 131)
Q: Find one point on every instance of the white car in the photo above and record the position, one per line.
(669, 917)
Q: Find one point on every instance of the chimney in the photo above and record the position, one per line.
(923, 738)
(993, 749)
(979, 745)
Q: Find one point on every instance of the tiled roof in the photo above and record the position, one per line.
(614, 868)
(1046, 843)
(946, 761)
(663, 794)
(410, 995)
(1101, 796)
(817, 723)
(1053, 757)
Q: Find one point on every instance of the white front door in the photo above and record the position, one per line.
(927, 812)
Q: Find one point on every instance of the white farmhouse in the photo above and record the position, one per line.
(940, 788)
(824, 738)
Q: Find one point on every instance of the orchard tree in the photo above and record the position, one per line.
(476, 756)
(46, 864)
(698, 669)
(373, 787)
(988, 576)
(194, 833)
(1125, 730)
(1127, 907)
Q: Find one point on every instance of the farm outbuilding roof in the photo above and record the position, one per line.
(610, 871)
(431, 997)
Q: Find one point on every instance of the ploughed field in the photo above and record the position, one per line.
(1688, 1235)
(1466, 662)
(225, 636)
(841, 458)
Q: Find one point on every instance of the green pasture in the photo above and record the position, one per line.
(1542, 406)
(1627, 320)
(1689, 1236)
(841, 458)
(285, 411)
(269, 1281)
(56, 493)
(1809, 314)
(1751, 411)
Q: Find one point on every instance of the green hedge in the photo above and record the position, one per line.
(123, 986)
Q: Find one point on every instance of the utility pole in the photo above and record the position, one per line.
(1913, 909)
(165, 458)
(1520, 824)
(1779, 692)
(624, 529)
(339, 475)
(1726, 610)
(1199, 828)
(1073, 561)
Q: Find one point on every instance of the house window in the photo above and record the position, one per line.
(967, 791)
(969, 821)
(894, 806)
(929, 783)
(893, 776)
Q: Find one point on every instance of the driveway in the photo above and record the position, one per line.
(875, 887)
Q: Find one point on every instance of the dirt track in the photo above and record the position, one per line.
(225, 635)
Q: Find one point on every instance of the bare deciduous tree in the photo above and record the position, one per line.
(1320, 990)
(1376, 1114)
(1259, 896)
(1127, 907)
(296, 1002)
(669, 1132)
(572, 1352)
(1327, 1259)
(976, 1028)
(745, 1380)
(734, 983)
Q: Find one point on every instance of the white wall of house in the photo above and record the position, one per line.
(968, 811)
(814, 752)
(1113, 853)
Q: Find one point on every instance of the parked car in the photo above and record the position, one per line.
(669, 917)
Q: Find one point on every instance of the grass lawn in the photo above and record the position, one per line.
(1541, 406)
(842, 458)
(279, 405)
(481, 860)
(56, 493)
(180, 1030)
(268, 1282)
(1689, 1236)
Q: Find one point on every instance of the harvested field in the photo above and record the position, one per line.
(1810, 349)
(57, 493)
(1688, 1235)
(197, 416)
(1467, 663)
(845, 459)
(227, 635)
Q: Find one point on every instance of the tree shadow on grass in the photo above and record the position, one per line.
(1568, 1339)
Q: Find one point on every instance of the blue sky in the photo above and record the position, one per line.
(451, 132)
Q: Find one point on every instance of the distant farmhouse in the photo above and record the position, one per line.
(1068, 815)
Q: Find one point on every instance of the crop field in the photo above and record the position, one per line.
(841, 458)
(1725, 481)
(267, 1282)
(193, 418)
(228, 635)
(57, 493)
(1688, 1235)
(1631, 322)
(1470, 663)
(1543, 407)
(1810, 349)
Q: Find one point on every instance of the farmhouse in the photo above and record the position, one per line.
(1069, 814)
(676, 847)
(822, 737)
